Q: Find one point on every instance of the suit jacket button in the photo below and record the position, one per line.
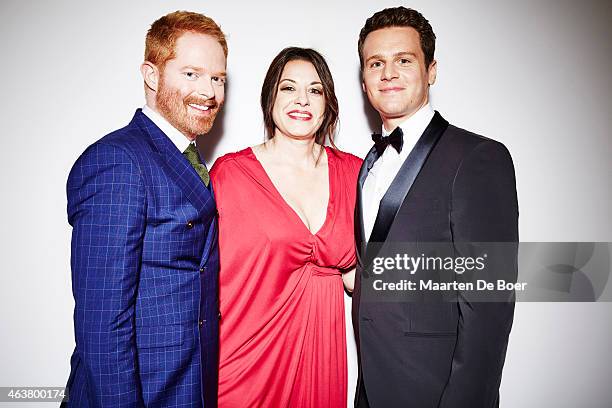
(219, 315)
(202, 270)
(201, 322)
(189, 224)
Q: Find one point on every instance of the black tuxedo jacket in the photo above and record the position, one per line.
(455, 186)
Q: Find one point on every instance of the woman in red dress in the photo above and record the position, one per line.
(286, 239)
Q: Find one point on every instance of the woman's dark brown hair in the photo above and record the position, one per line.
(270, 89)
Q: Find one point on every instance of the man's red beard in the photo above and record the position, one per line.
(176, 111)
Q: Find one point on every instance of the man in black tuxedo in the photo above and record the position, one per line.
(426, 181)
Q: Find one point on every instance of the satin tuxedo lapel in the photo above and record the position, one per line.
(402, 183)
(181, 171)
(367, 164)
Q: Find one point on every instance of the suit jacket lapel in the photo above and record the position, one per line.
(179, 168)
(367, 164)
(402, 183)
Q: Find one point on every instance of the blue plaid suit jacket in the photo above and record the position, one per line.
(144, 275)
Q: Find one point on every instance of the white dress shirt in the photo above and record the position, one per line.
(388, 164)
(180, 140)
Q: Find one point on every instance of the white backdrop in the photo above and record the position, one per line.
(534, 75)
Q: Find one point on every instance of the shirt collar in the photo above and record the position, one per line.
(413, 127)
(180, 140)
(415, 123)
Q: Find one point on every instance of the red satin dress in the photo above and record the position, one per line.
(282, 332)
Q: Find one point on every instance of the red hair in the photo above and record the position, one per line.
(162, 36)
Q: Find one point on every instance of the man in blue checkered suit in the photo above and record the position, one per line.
(144, 244)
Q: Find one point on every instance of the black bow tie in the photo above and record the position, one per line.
(395, 139)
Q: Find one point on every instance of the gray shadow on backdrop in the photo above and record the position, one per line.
(370, 113)
(207, 144)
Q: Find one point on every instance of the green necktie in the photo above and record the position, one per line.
(191, 153)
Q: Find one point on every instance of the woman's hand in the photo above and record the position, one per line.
(348, 278)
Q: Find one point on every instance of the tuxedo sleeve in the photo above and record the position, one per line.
(106, 208)
(484, 209)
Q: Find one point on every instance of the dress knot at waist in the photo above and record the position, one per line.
(317, 270)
